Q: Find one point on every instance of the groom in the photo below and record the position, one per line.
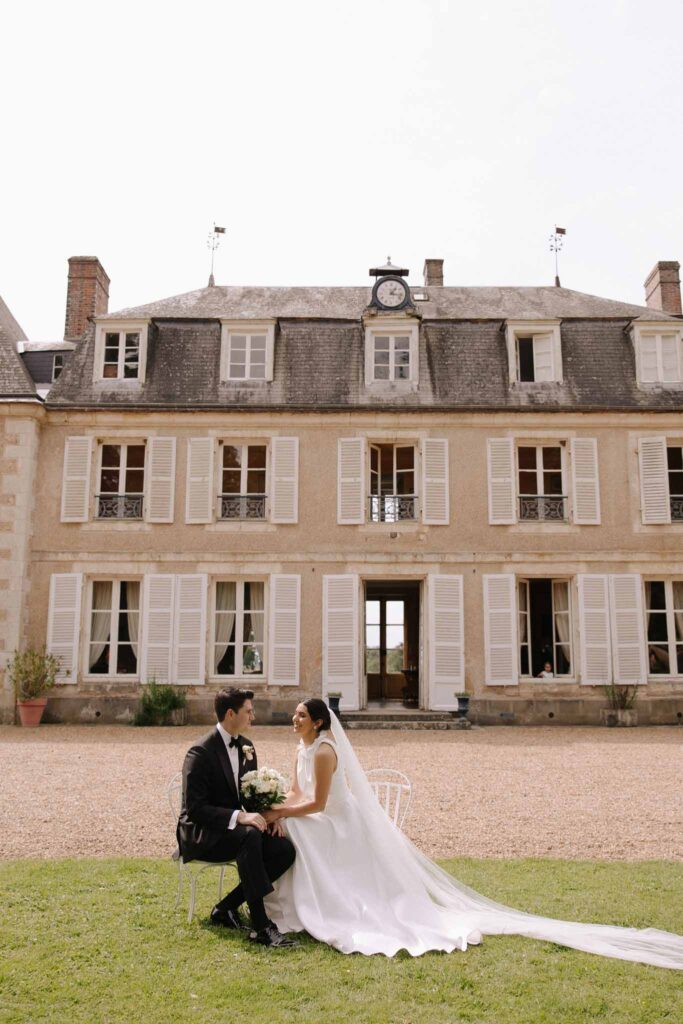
(213, 827)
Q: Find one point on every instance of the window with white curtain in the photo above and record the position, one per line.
(238, 630)
(664, 626)
(545, 630)
(114, 627)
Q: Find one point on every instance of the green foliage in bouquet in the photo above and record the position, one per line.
(157, 703)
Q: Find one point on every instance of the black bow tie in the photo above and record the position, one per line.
(233, 743)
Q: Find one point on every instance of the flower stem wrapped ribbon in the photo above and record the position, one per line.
(263, 789)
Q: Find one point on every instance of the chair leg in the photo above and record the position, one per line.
(180, 887)
(220, 882)
(193, 894)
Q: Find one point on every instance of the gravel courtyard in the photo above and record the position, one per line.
(581, 793)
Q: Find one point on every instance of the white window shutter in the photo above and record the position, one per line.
(446, 640)
(435, 504)
(189, 656)
(341, 652)
(544, 362)
(628, 629)
(500, 630)
(594, 628)
(654, 480)
(501, 480)
(585, 481)
(284, 629)
(199, 498)
(284, 464)
(76, 479)
(351, 480)
(64, 623)
(671, 370)
(647, 352)
(160, 480)
(158, 606)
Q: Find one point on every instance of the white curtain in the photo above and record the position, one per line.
(256, 602)
(100, 623)
(133, 596)
(678, 612)
(225, 619)
(561, 616)
(522, 597)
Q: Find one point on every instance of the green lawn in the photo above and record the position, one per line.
(98, 942)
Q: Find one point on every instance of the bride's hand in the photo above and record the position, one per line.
(272, 815)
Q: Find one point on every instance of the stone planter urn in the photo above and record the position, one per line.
(31, 711)
(463, 705)
(624, 717)
(178, 716)
(333, 702)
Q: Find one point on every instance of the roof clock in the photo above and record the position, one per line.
(390, 291)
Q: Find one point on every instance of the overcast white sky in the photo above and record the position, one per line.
(326, 135)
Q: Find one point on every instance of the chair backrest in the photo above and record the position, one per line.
(174, 792)
(393, 791)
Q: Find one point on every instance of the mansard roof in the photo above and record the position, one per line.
(15, 380)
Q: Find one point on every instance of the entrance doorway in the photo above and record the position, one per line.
(392, 642)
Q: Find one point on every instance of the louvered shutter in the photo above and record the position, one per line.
(649, 366)
(76, 479)
(501, 481)
(500, 630)
(654, 480)
(446, 640)
(199, 499)
(351, 480)
(189, 628)
(585, 481)
(628, 629)
(158, 606)
(594, 628)
(284, 630)
(435, 481)
(160, 480)
(64, 623)
(284, 505)
(544, 362)
(341, 652)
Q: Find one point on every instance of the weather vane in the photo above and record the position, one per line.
(212, 243)
(556, 243)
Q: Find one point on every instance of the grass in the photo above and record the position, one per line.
(98, 942)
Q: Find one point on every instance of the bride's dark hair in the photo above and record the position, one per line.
(318, 709)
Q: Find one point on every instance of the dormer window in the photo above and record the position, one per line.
(391, 353)
(120, 351)
(659, 353)
(534, 351)
(247, 349)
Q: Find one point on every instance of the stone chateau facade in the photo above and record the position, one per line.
(394, 492)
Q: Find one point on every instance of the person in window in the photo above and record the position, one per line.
(547, 672)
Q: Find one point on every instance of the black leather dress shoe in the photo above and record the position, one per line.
(272, 937)
(228, 919)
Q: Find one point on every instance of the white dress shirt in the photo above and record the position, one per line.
(234, 758)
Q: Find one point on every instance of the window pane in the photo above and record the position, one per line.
(258, 343)
(401, 344)
(382, 358)
(526, 458)
(552, 483)
(256, 457)
(552, 458)
(372, 612)
(656, 627)
(238, 370)
(256, 482)
(525, 349)
(395, 613)
(226, 597)
(257, 372)
(135, 482)
(231, 481)
(381, 345)
(401, 373)
(238, 342)
(136, 456)
(405, 458)
(658, 659)
(394, 636)
(372, 636)
(109, 481)
(678, 595)
(674, 457)
(126, 661)
(657, 594)
(232, 456)
(252, 660)
(224, 660)
(110, 370)
(527, 483)
(253, 597)
(402, 358)
(404, 483)
(676, 484)
(381, 373)
(111, 455)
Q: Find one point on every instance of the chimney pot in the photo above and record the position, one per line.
(433, 272)
(663, 287)
(87, 294)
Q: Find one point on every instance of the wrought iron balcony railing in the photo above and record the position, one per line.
(676, 503)
(392, 508)
(119, 506)
(546, 508)
(242, 506)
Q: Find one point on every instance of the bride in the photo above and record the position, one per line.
(360, 885)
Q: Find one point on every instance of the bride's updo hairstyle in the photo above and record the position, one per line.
(318, 709)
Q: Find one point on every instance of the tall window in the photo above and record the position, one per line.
(392, 357)
(544, 628)
(674, 457)
(664, 623)
(392, 482)
(122, 481)
(121, 354)
(247, 356)
(540, 482)
(57, 364)
(114, 627)
(238, 628)
(243, 481)
(659, 357)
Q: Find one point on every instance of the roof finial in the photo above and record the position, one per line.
(556, 243)
(212, 243)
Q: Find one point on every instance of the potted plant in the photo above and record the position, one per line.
(32, 673)
(161, 705)
(621, 710)
(463, 704)
(333, 699)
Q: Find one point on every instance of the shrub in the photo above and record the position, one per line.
(621, 697)
(32, 673)
(157, 702)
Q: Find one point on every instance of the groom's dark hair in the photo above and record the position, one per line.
(234, 698)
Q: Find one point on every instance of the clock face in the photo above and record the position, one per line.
(391, 293)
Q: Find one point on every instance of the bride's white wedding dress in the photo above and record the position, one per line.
(360, 885)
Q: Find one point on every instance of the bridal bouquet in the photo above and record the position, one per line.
(263, 789)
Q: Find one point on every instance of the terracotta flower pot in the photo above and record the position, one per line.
(31, 711)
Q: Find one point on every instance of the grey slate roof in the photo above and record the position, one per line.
(15, 381)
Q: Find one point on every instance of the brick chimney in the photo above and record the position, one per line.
(87, 294)
(663, 287)
(433, 272)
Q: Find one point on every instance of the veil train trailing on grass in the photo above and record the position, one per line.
(360, 885)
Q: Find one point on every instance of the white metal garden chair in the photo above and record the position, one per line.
(194, 868)
(393, 791)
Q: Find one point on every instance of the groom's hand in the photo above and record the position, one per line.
(255, 820)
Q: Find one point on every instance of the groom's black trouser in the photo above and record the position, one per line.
(260, 859)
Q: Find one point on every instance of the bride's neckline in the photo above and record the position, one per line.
(307, 749)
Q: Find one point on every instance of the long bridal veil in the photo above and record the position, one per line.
(389, 844)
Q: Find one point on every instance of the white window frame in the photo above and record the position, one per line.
(416, 471)
(120, 327)
(392, 327)
(668, 582)
(114, 613)
(123, 443)
(568, 677)
(653, 330)
(539, 445)
(239, 582)
(60, 368)
(249, 328)
(263, 442)
(516, 329)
